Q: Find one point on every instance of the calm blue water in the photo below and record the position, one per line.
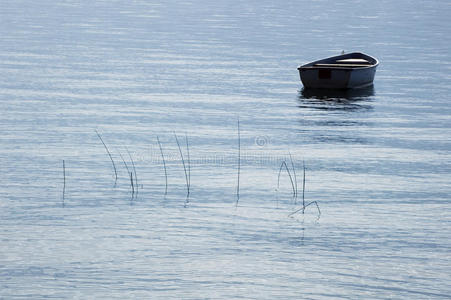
(377, 161)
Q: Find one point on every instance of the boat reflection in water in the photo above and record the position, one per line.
(333, 117)
(346, 99)
(330, 94)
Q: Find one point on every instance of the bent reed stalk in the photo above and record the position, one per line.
(164, 165)
(189, 162)
(184, 168)
(128, 171)
(64, 181)
(239, 164)
(284, 164)
(303, 188)
(304, 206)
(131, 183)
(295, 178)
(123, 160)
(109, 154)
(134, 170)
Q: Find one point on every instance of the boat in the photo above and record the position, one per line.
(346, 71)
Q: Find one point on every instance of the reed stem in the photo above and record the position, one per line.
(295, 179)
(184, 166)
(123, 160)
(189, 170)
(64, 181)
(134, 170)
(111, 158)
(131, 183)
(164, 165)
(189, 163)
(304, 207)
(128, 170)
(284, 164)
(303, 188)
(239, 163)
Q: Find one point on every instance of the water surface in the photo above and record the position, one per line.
(377, 161)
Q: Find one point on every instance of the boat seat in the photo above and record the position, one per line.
(343, 65)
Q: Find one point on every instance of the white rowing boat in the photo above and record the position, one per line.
(346, 71)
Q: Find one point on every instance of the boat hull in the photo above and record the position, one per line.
(328, 74)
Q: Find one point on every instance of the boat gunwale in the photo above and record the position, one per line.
(373, 62)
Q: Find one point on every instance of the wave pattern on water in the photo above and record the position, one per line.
(377, 160)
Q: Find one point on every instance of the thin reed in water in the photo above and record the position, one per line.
(284, 164)
(303, 188)
(295, 179)
(189, 161)
(134, 170)
(64, 181)
(128, 171)
(184, 168)
(131, 183)
(239, 164)
(111, 158)
(123, 160)
(164, 165)
(304, 206)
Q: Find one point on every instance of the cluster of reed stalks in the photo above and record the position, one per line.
(294, 186)
(132, 172)
(134, 187)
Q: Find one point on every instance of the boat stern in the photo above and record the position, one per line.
(325, 77)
